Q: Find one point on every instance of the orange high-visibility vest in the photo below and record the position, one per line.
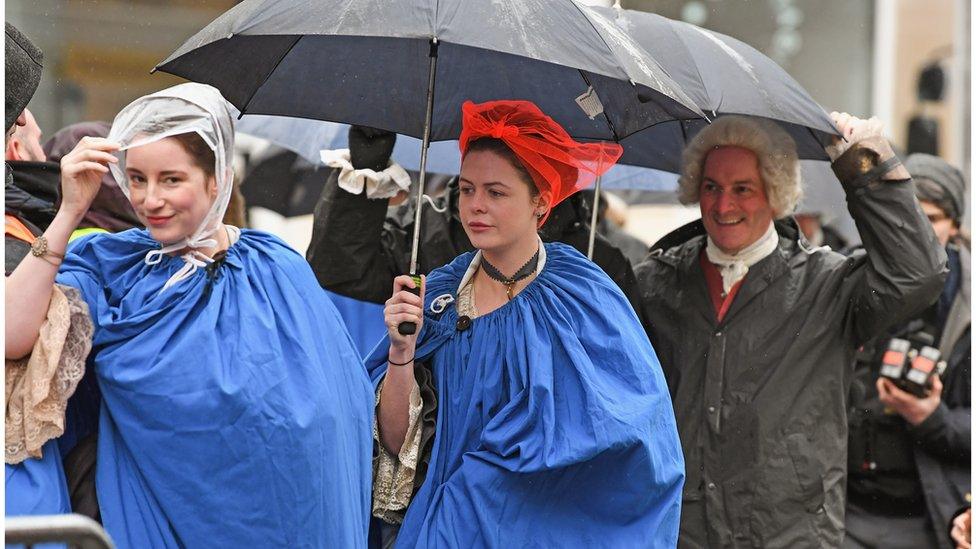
(13, 227)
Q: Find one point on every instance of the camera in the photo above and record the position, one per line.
(909, 368)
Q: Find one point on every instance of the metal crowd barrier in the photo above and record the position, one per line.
(74, 530)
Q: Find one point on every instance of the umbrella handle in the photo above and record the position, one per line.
(410, 328)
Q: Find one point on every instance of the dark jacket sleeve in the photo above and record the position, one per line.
(612, 260)
(352, 252)
(905, 267)
(946, 433)
(568, 224)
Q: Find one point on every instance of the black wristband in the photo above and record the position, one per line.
(875, 173)
(395, 364)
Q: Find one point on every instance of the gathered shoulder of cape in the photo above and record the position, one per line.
(110, 269)
(114, 256)
(568, 279)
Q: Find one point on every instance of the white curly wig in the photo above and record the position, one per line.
(779, 165)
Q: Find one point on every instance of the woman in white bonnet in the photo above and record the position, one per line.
(234, 406)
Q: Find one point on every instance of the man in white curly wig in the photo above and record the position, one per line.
(758, 161)
(757, 329)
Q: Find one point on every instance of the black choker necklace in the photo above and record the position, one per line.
(509, 282)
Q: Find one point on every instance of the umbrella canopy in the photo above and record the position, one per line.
(286, 183)
(722, 75)
(308, 138)
(367, 61)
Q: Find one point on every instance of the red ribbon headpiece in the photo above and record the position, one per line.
(558, 164)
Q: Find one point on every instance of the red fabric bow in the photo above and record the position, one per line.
(501, 131)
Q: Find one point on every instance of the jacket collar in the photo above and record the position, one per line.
(682, 248)
(960, 313)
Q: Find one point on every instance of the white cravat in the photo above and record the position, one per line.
(734, 267)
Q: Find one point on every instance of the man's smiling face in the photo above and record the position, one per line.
(734, 205)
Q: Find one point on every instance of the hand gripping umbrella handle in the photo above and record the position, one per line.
(409, 328)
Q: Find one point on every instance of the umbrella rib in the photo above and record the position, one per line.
(649, 126)
(598, 33)
(681, 40)
(816, 138)
(268, 76)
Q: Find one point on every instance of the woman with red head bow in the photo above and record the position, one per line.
(529, 407)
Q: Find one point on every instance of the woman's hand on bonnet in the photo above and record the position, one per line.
(81, 173)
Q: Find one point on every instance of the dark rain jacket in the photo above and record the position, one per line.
(943, 441)
(31, 191)
(889, 458)
(357, 248)
(760, 398)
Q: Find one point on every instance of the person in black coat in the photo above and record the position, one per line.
(909, 457)
(757, 330)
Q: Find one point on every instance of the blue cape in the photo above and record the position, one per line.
(363, 319)
(37, 486)
(554, 423)
(235, 408)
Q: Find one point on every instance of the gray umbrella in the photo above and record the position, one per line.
(723, 76)
(372, 63)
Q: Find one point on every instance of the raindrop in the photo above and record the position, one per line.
(695, 13)
(790, 17)
(787, 42)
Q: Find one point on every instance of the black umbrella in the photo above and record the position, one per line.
(373, 62)
(723, 76)
(284, 183)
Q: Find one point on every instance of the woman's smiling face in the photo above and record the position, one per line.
(170, 193)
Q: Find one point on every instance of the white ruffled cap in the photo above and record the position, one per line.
(185, 108)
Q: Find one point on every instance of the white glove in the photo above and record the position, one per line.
(853, 129)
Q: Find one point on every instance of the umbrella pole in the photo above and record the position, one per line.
(423, 157)
(593, 216)
(407, 328)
